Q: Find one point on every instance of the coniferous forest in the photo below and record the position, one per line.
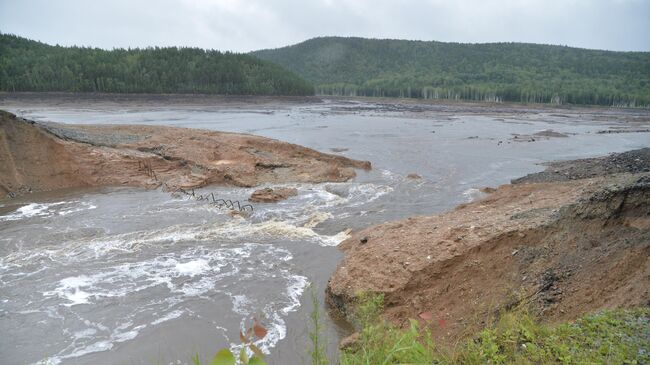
(27, 65)
(508, 72)
(518, 72)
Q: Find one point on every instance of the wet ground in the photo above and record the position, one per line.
(121, 275)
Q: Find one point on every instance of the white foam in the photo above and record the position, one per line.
(98, 346)
(193, 268)
(317, 218)
(276, 332)
(234, 230)
(390, 176)
(472, 194)
(190, 261)
(241, 304)
(74, 350)
(287, 221)
(47, 209)
(88, 332)
(366, 193)
(294, 292)
(198, 288)
(204, 272)
(337, 238)
(69, 289)
(27, 211)
(55, 360)
(94, 347)
(275, 323)
(83, 207)
(124, 279)
(128, 335)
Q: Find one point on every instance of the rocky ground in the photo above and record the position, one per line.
(627, 162)
(48, 156)
(272, 195)
(563, 243)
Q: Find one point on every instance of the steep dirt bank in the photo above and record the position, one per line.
(564, 247)
(37, 157)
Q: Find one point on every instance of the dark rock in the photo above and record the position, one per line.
(635, 161)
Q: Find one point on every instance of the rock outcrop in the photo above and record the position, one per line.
(47, 156)
(269, 195)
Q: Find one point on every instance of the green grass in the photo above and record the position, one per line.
(382, 343)
(607, 337)
(317, 353)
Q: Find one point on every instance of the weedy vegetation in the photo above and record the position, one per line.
(516, 337)
(608, 337)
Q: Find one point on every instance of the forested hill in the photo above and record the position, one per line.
(493, 72)
(27, 65)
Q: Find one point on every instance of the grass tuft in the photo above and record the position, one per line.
(606, 337)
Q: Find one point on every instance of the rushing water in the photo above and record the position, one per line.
(124, 275)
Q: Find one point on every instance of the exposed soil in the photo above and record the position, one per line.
(269, 195)
(539, 136)
(550, 133)
(563, 247)
(48, 156)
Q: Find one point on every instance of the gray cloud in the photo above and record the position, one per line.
(244, 25)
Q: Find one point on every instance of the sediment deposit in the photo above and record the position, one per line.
(47, 156)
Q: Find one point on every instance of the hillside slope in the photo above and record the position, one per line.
(493, 72)
(27, 65)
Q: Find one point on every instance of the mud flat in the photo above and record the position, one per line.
(562, 241)
(47, 156)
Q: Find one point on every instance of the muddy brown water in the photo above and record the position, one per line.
(129, 276)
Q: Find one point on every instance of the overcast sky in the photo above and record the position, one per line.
(244, 25)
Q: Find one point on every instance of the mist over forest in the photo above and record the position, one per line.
(518, 72)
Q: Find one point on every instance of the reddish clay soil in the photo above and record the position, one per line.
(562, 248)
(272, 195)
(38, 157)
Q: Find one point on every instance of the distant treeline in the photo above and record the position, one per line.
(516, 72)
(27, 65)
